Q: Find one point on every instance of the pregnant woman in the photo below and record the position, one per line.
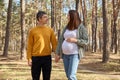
(71, 44)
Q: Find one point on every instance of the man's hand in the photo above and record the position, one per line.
(57, 58)
(29, 62)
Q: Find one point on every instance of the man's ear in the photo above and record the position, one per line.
(39, 19)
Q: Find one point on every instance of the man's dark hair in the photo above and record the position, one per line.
(40, 14)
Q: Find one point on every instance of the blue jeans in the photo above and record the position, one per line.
(71, 64)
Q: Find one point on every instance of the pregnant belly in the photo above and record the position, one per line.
(68, 47)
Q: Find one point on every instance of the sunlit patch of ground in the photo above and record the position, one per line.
(90, 68)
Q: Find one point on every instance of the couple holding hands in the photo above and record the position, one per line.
(70, 46)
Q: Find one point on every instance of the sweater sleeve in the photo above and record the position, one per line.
(29, 45)
(60, 41)
(59, 46)
(83, 37)
(53, 41)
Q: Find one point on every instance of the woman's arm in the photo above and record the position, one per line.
(83, 36)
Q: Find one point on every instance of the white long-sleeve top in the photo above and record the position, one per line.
(68, 47)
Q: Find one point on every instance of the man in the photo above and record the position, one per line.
(41, 42)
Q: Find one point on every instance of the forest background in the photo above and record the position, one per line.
(100, 17)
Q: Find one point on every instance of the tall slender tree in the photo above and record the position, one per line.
(83, 11)
(105, 33)
(77, 4)
(2, 23)
(116, 9)
(7, 35)
(60, 17)
(23, 50)
(52, 13)
(94, 25)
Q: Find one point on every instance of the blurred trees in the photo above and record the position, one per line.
(91, 13)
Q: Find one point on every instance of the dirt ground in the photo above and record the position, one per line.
(90, 68)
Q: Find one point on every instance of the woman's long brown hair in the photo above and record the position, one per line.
(74, 21)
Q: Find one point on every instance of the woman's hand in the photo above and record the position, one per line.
(57, 58)
(72, 40)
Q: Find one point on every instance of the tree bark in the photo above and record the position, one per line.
(116, 8)
(60, 22)
(94, 26)
(77, 5)
(52, 13)
(7, 35)
(23, 40)
(105, 33)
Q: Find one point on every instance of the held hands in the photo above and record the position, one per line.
(72, 40)
(57, 58)
(30, 63)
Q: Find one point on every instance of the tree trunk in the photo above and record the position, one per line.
(105, 33)
(36, 10)
(82, 10)
(94, 26)
(119, 36)
(112, 37)
(23, 49)
(1, 30)
(115, 16)
(100, 40)
(56, 11)
(52, 13)
(84, 13)
(7, 35)
(77, 5)
(59, 27)
(119, 41)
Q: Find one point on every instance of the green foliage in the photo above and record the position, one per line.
(1, 3)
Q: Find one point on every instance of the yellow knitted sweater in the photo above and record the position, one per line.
(41, 41)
